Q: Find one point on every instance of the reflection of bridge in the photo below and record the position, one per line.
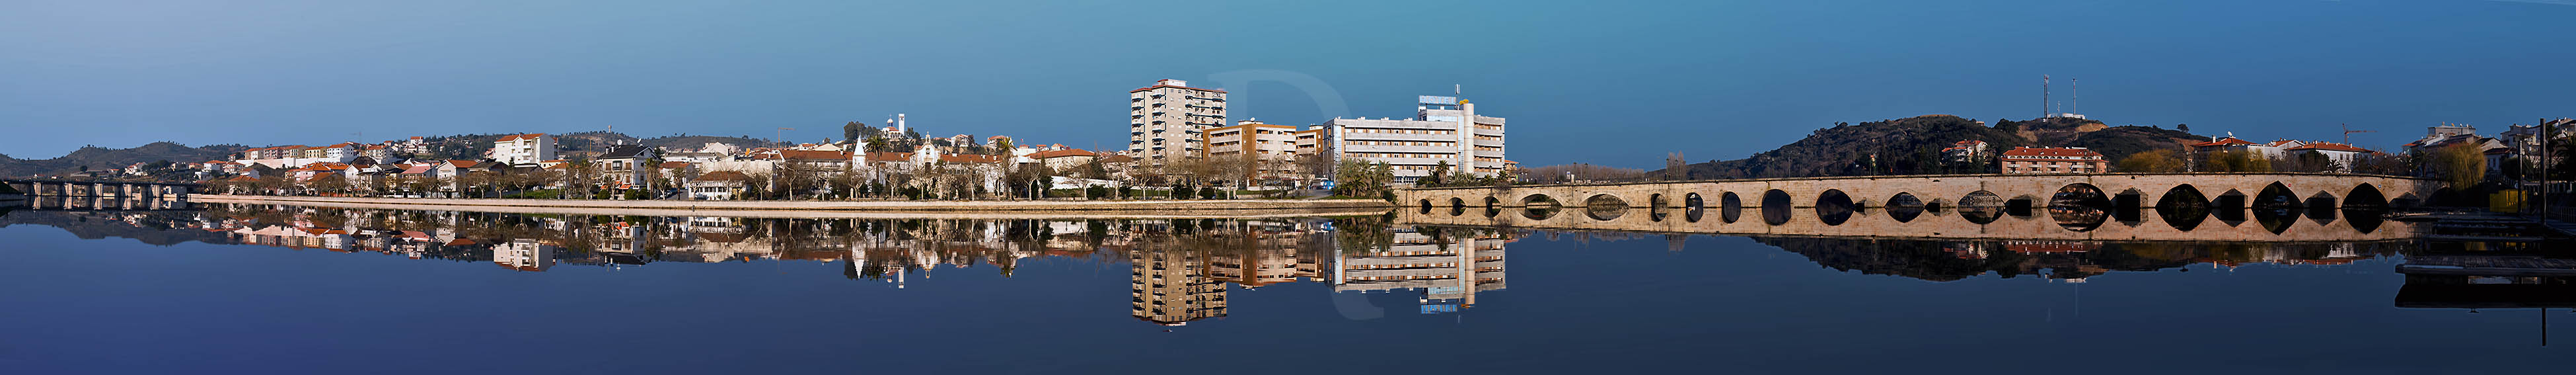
(1954, 206)
(119, 189)
(1991, 190)
(105, 204)
(2038, 225)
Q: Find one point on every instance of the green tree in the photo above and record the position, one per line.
(858, 130)
(1353, 178)
(2461, 164)
(2236, 161)
(1439, 173)
(2151, 161)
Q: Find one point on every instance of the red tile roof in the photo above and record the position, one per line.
(1061, 153)
(2330, 146)
(2051, 151)
(508, 138)
(2229, 141)
(804, 155)
(675, 164)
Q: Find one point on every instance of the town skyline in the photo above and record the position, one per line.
(2292, 72)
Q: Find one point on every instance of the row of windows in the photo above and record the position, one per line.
(1403, 131)
(1404, 143)
(1415, 155)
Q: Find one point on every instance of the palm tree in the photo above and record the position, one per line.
(876, 144)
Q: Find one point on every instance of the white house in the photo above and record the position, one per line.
(524, 149)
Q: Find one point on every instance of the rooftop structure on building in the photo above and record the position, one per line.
(1443, 129)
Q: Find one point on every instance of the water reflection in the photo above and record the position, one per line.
(1183, 269)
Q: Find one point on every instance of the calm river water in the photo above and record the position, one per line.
(281, 289)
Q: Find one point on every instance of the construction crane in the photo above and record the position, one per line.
(2347, 133)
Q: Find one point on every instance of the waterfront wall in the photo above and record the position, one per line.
(880, 206)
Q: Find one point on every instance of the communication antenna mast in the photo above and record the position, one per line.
(2074, 98)
(2044, 107)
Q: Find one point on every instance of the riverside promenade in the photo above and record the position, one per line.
(851, 209)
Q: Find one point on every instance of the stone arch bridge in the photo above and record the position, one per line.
(2125, 190)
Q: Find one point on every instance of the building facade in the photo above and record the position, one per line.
(2052, 160)
(1268, 148)
(1166, 121)
(523, 149)
(1443, 129)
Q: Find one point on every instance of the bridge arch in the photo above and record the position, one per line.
(1538, 213)
(1981, 207)
(2276, 195)
(2079, 194)
(2183, 195)
(1904, 207)
(1692, 201)
(1775, 207)
(1730, 207)
(2183, 208)
(1426, 205)
(1457, 207)
(2365, 196)
(1539, 200)
(1833, 207)
(1597, 200)
(1605, 207)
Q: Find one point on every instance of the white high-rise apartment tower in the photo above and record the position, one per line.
(1167, 121)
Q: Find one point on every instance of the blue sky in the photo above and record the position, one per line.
(1617, 83)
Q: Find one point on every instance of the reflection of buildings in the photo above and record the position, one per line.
(1172, 287)
(1449, 272)
(1181, 270)
(524, 255)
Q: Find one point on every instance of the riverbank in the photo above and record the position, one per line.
(848, 209)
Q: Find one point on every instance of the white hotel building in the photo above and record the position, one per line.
(1443, 129)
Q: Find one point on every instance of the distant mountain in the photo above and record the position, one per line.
(569, 145)
(1913, 146)
(105, 158)
(466, 146)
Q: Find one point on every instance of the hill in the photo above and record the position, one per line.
(1913, 146)
(466, 146)
(470, 146)
(96, 157)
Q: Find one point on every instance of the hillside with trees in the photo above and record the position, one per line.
(465, 146)
(102, 158)
(1913, 146)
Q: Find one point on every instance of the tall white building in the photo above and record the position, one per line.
(1167, 121)
(1443, 129)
